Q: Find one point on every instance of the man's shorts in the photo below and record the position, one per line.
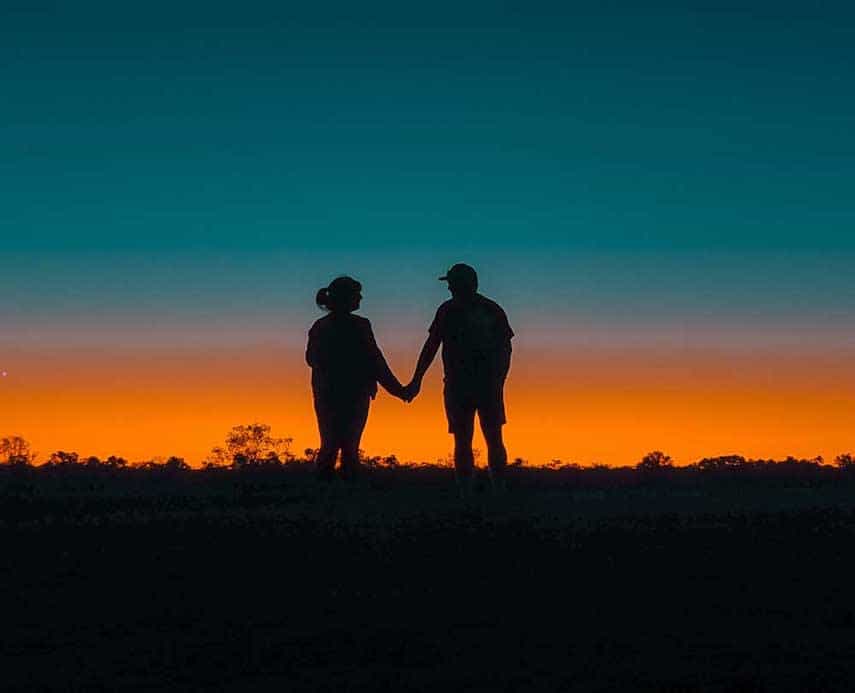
(461, 403)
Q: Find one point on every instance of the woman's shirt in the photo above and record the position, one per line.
(344, 357)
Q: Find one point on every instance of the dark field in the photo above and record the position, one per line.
(591, 581)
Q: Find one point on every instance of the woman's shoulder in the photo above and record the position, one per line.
(320, 323)
(361, 326)
(352, 319)
(333, 321)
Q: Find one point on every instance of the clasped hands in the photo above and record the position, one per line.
(408, 392)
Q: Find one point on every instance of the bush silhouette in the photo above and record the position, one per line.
(60, 458)
(251, 445)
(654, 461)
(845, 462)
(724, 462)
(16, 452)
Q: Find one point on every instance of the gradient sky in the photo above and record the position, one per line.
(661, 197)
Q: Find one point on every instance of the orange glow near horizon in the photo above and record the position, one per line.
(606, 406)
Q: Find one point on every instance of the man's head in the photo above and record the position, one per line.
(462, 280)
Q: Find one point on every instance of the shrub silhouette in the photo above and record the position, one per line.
(845, 462)
(171, 464)
(654, 461)
(722, 463)
(60, 458)
(251, 446)
(114, 462)
(16, 452)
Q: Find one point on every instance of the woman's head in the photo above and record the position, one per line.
(342, 295)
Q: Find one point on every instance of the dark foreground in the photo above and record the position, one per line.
(266, 581)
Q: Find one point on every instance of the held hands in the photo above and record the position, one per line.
(407, 393)
(412, 390)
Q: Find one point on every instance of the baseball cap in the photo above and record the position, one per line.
(461, 273)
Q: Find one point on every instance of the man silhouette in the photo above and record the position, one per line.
(476, 355)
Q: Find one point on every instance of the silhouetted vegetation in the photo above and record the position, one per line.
(655, 461)
(727, 574)
(251, 445)
(170, 464)
(845, 462)
(731, 574)
(15, 451)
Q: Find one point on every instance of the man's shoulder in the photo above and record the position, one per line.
(499, 314)
(491, 305)
(488, 302)
(445, 306)
(437, 327)
(443, 309)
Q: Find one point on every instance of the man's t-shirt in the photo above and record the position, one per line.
(476, 341)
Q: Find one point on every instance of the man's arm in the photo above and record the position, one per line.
(504, 350)
(425, 359)
(505, 359)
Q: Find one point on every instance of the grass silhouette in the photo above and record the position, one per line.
(716, 578)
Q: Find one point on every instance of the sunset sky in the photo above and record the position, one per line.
(661, 198)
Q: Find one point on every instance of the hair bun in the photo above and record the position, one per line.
(322, 298)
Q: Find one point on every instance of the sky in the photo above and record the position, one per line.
(661, 197)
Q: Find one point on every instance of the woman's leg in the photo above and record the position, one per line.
(352, 435)
(325, 460)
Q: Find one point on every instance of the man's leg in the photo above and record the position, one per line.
(460, 412)
(491, 415)
(497, 455)
(464, 460)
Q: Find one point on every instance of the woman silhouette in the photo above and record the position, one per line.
(346, 367)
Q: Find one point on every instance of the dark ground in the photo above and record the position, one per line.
(267, 581)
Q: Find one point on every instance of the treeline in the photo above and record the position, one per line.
(659, 466)
(250, 446)
(253, 447)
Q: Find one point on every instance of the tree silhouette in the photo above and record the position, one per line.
(170, 464)
(175, 464)
(115, 462)
(712, 464)
(845, 462)
(654, 461)
(251, 445)
(16, 451)
(60, 458)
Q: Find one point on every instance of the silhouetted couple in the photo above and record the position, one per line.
(347, 364)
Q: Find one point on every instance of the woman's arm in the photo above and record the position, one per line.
(312, 349)
(382, 371)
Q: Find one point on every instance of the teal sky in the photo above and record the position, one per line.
(679, 161)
